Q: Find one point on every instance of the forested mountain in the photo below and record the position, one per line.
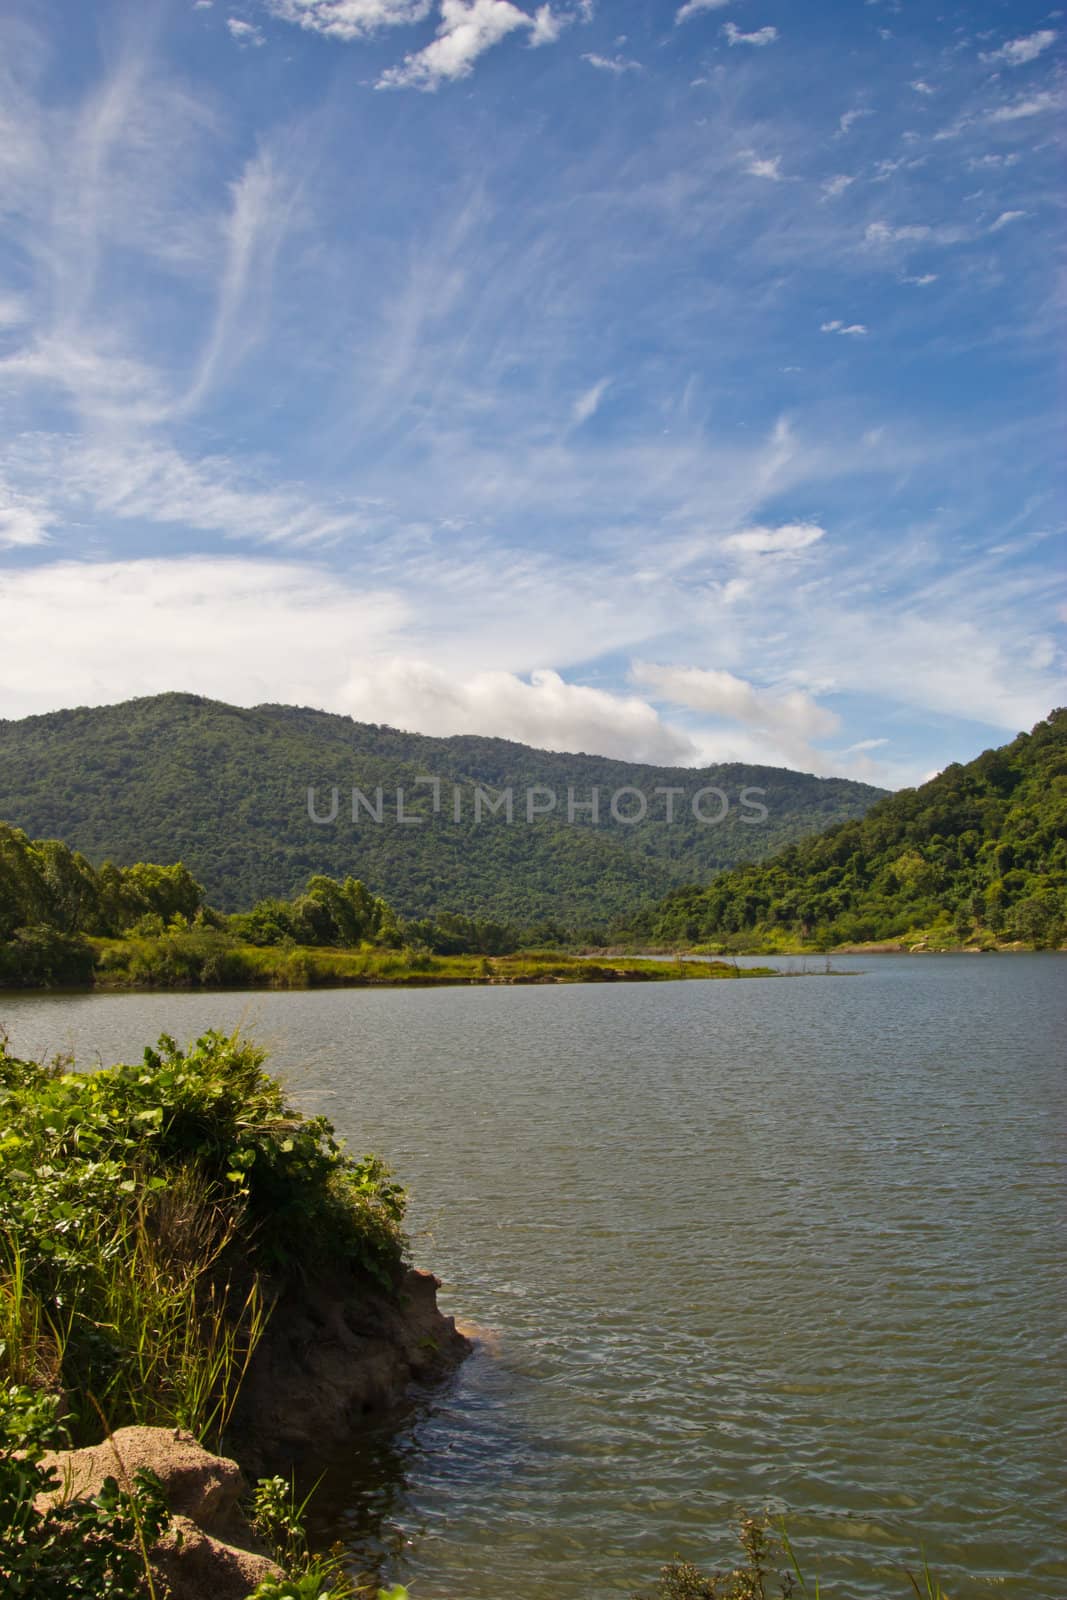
(979, 853)
(224, 790)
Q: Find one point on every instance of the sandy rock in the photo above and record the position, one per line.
(203, 1487)
(202, 1491)
(196, 1566)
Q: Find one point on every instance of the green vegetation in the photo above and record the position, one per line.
(759, 1575)
(147, 1215)
(146, 1212)
(64, 923)
(225, 790)
(85, 1546)
(976, 856)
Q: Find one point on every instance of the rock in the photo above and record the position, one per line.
(196, 1566)
(334, 1354)
(203, 1492)
(200, 1486)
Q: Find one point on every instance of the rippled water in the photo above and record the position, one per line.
(789, 1244)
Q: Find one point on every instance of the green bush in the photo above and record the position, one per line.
(143, 1212)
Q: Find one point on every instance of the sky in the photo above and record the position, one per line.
(677, 382)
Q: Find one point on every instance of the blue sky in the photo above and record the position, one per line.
(674, 382)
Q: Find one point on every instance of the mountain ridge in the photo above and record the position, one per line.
(224, 789)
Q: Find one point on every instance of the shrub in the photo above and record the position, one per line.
(142, 1210)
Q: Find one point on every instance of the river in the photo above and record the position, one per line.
(777, 1244)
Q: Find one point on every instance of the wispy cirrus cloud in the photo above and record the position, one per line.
(1019, 52)
(693, 8)
(787, 539)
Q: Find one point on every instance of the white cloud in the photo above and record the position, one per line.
(849, 118)
(1004, 219)
(137, 481)
(350, 19)
(23, 521)
(466, 31)
(760, 38)
(246, 630)
(792, 717)
(1009, 158)
(546, 711)
(763, 166)
(615, 64)
(693, 8)
(1017, 52)
(245, 33)
(922, 280)
(922, 87)
(880, 233)
(840, 327)
(837, 185)
(787, 539)
(1030, 106)
(588, 403)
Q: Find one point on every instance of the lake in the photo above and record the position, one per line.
(790, 1244)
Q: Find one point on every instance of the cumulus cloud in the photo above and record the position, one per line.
(350, 19)
(787, 539)
(791, 717)
(1017, 52)
(922, 280)
(922, 87)
(588, 403)
(252, 629)
(466, 31)
(545, 711)
(761, 37)
(832, 187)
(850, 118)
(245, 33)
(851, 328)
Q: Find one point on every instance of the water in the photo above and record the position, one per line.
(735, 1245)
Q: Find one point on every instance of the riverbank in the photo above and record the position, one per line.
(204, 959)
(186, 1263)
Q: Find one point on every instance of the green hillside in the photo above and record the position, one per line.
(224, 790)
(979, 853)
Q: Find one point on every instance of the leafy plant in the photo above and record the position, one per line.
(142, 1210)
(72, 1546)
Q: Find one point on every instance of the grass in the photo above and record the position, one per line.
(207, 959)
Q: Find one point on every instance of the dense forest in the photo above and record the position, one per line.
(52, 901)
(978, 854)
(177, 777)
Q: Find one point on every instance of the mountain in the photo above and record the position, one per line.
(224, 790)
(978, 853)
